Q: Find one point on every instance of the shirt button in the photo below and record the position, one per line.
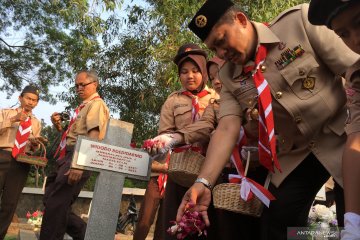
(278, 95)
(301, 72)
(263, 68)
(298, 119)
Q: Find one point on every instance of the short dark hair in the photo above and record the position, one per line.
(229, 15)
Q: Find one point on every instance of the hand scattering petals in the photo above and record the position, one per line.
(191, 223)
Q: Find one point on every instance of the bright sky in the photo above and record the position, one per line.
(44, 109)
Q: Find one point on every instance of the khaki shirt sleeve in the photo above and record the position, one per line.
(97, 117)
(229, 105)
(36, 127)
(167, 120)
(200, 131)
(328, 46)
(4, 120)
(353, 95)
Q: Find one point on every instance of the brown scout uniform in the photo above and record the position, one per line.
(353, 95)
(13, 174)
(175, 115)
(59, 195)
(226, 223)
(309, 112)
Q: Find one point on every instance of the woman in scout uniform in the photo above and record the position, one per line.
(301, 105)
(13, 141)
(343, 17)
(182, 108)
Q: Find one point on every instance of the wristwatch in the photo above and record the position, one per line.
(205, 182)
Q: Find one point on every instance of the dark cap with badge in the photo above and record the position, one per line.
(322, 12)
(31, 89)
(188, 49)
(207, 16)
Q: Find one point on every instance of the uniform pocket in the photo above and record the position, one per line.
(182, 115)
(302, 76)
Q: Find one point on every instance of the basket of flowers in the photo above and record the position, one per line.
(185, 164)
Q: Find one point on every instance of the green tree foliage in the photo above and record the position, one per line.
(55, 38)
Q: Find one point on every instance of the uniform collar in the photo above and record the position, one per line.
(206, 88)
(91, 97)
(265, 37)
(19, 109)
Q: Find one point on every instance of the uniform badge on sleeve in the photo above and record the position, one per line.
(288, 56)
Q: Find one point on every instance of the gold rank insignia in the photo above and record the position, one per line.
(308, 83)
(201, 21)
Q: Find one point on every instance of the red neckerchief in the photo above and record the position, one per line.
(267, 142)
(22, 136)
(62, 145)
(195, 103)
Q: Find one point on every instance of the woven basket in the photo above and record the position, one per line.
(40, 161)
(184, 167)
(227, 196)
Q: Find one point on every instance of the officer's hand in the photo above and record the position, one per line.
(56, 120)
(201, 197)
(159, 167)
(34, 143)
(21, 116)
(74, 176)
(165, 142)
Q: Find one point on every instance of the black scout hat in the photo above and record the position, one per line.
(207, 16)
(31, 89)
(322, 12)
(188, 49)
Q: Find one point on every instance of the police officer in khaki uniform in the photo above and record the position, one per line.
(63, 186)
(13, 174)
(343, 17)
(308, 105)
(177, 112)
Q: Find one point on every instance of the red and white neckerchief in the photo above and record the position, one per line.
(195, 103)
(22, 136)
(267, 141)
(162, 178)
(249, 187)
(62, 145)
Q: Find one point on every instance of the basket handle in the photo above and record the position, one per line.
(268, 177)
(43, 149)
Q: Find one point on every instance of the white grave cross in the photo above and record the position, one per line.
(114, 160)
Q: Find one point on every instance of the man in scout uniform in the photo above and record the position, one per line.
(19, 129)
(293, 69)
(63, 186)
(343, 16)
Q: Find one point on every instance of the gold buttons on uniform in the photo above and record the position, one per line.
(263, 68)
(254, 114)
(298, 119)
(301, 72)
(278, 95)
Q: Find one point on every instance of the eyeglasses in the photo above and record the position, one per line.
(83, 85)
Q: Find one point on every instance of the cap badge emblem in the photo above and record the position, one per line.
(201, 21)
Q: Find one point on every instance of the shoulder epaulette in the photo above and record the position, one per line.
(284, 13)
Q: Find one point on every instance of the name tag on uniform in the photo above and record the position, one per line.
(180, 105)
